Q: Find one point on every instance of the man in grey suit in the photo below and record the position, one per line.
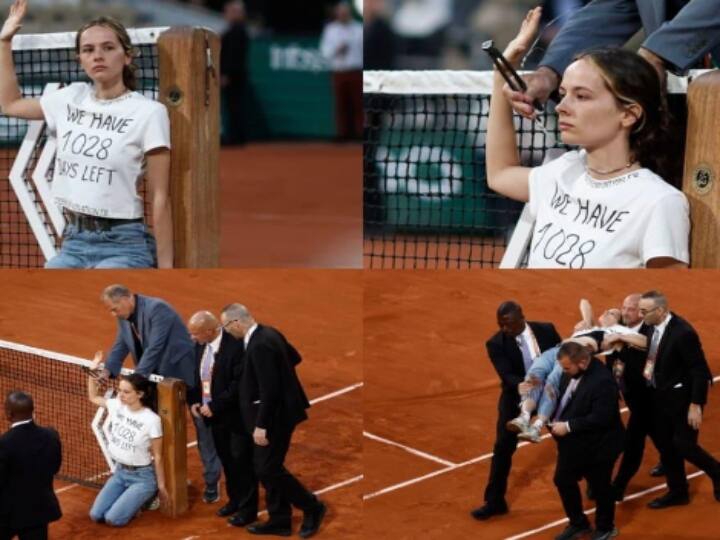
(152, 332)
(679, 33)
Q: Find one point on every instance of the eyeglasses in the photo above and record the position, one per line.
(229, 323)
(644, 312)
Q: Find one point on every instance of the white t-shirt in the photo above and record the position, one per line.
(130, 433)
(622, 222)
(337, 34)
(101, 147)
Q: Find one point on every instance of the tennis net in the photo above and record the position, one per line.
(58, 384)
(30, 224)
(426, 203)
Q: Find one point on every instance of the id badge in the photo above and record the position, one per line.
(206, 388)
(649, 369)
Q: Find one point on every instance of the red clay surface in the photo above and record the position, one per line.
(431, 387)
(319, 311)
(291, 205)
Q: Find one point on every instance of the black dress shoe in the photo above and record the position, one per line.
(669, 499)
(657, 470)
(228, 510)
(487, 511)
(571, 532)
(311, 521)
(716, 487)
(275, 529)
(241, 520)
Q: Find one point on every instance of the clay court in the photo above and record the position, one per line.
(291, 205)
(319, 311)
(431, 393)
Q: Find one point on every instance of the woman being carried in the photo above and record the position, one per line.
(539, 391)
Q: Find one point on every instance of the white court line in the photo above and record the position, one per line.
(449, 468)
(409, 449)
(592, 510)
(472, 461)
(316, 400)
(329, 488)
(312, 402)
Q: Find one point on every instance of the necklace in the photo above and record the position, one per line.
(106, 101)
(613, 171)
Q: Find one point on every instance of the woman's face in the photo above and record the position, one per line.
(588, 114)
(127, 394)
(102, 56)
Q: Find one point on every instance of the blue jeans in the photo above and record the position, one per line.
(128, 245)
(547, 371)
(208, 455)
(123, 494)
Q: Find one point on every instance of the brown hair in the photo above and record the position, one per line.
(129, 79)
(575, 352)
(632, 79)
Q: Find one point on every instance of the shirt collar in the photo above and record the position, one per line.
(249, 333)
(215, 343)
(661, 327)
(20, 423)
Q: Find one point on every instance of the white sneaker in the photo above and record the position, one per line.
(517, 425)
(531, 434)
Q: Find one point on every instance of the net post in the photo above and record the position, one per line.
(189, 87)
(171, 408)
(702, 169)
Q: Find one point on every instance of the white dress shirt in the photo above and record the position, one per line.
(336, 35)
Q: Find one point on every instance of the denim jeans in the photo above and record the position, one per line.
(208, 455)
(123, 494)
(128, 245)
(547, 370)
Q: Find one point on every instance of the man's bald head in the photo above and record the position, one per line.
(203, 327)
(631, 310)
(19, 406)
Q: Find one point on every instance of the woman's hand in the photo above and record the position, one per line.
(14, 21)
(517, 48)
(163, 494)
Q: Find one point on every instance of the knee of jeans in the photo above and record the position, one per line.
(96, 517)
(117, 522)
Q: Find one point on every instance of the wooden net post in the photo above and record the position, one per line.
(702, 170)
(171, 408)
(189, 87)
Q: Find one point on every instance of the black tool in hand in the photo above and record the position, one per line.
(508, 72)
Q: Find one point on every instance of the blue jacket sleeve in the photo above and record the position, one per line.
(600, 23)
(691, 34)
(118, 353)
(160, 320)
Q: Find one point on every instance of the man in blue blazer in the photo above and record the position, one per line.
(679, 33)
(152, 332)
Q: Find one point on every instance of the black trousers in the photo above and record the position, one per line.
(235, 453)
(678, 441)
(639, 426)
(282, 489)
(35, 533)
(503, 450)
(568, 472)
